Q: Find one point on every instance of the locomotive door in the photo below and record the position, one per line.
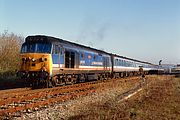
(72, 59)
(105, 62)
(56, 55)
(77, 60)
(69, 59)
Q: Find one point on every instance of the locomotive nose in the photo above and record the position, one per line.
(35, 62)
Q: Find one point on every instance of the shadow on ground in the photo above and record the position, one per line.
(11, 83)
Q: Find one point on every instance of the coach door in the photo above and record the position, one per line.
(69, 59)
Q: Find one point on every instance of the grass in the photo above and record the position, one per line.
(160, 101)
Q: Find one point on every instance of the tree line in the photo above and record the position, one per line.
(10, 45)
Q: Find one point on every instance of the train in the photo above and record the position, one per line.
(48, 61)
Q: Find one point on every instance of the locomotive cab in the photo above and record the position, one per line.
(36, 61)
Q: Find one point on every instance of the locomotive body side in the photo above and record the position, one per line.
(74, 61)
(50, 61)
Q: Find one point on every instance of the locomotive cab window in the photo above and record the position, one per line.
(36, 48)
(56, 49)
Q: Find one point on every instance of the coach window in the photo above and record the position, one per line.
(124, 64)
(121, 62)
(94, 57)
(89, 56)
(116, 62)
(82, 55)
(127, 63)
(130, 64)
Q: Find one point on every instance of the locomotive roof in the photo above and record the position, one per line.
(133, 59)
(49, 39)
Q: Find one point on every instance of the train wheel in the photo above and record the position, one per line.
(82, 78)
(46, 84)
(54, 80)
(100, 77)
(106, 76)
(122, 75)
(74, 79)
(50, 84)
(35, 84)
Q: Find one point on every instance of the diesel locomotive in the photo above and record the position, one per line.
(48, 61)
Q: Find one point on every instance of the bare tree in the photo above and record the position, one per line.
(9, 51)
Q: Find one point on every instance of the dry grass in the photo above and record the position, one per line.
(159, 101)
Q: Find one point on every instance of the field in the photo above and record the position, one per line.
(160, 100)
(127, 98)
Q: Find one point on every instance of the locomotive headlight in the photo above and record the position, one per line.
(43, 59)
(33, 74)
(33, 59)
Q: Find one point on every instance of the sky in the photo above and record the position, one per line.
(147, 30)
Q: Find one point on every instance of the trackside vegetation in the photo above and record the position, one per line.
(10, 44)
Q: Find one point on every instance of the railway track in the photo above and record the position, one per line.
(35, 99)
(12, 92)
(27, 100)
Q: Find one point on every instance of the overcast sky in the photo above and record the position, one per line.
(147, 30)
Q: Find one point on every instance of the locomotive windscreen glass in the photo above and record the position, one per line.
(36, 48)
